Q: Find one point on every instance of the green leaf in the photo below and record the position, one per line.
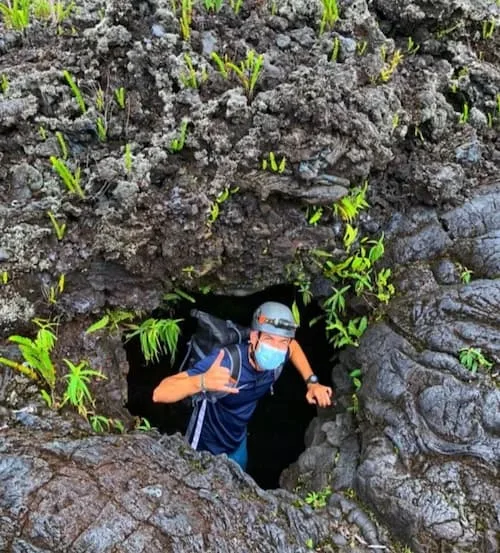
(99, 423)
(315, 320)
(46, 397)
(184, 295)
(118, 424)
(296, 313)
(101, 323)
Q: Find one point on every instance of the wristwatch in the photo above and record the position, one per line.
(313, 379)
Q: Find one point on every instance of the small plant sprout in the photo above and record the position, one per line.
(54, 11)
(248, 71)
(55, 291)
(186, 18)
(348, 207)
(118, 424)
(314, 215)
(355, 377)
(335, 49)
(274, 8)
(178, 295)
(214, 210)
(418, 133)
(488, 29)
(213, 5)
(395, 120)
(473, 359)
(100, 423)
(465, 273)
(236, 5)
(221, 64)
(350, 236)
(100, 101)
(464, 116)
(101, 128)
(309, 543)
(76, 91)
(412, 48)
(4, 277)
(127, 158)
(490, 120)
(36, 353)
(77, 392)
(329, 15)
(62, 145)
(361, 47)
(191, 79)
(120, 97)
(59, 229)
(112, 320)
(354, 407)
(189, 271)
(317, 500)
(16, 14)
(70, 180)
(384, 289)
(443, 32)
(42, 133)
(271, 163)
(4, 83)
(390, 66)
(177, 144)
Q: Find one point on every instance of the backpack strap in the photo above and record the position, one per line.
(200, 400)
(186, 357)
(234, 353)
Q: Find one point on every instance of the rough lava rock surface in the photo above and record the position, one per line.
(63, 491)
(423, 452)
(428, 452)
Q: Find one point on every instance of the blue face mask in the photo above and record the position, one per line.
(268, 357)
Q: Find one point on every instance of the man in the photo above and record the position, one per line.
(221, 426)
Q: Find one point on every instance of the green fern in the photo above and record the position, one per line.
(157, 337)
(36, 353)
(77, 392)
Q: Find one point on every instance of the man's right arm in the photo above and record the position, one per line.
(177, 387)
(212, 378)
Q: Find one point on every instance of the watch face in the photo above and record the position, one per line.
(313, 379)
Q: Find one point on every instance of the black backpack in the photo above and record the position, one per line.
(212, 333)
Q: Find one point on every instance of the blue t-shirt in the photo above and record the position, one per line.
(225, 421)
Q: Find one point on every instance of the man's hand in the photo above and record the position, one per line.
(218, 378)
(317, 394)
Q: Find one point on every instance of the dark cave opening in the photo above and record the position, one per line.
(276, 431)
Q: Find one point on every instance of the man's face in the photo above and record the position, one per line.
(279, 342)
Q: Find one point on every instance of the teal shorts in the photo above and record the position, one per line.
(240, 454)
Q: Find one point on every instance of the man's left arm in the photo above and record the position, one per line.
(316, 392)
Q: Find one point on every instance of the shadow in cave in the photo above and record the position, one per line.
(276, 431)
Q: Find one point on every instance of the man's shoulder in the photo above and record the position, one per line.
(203, 364)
